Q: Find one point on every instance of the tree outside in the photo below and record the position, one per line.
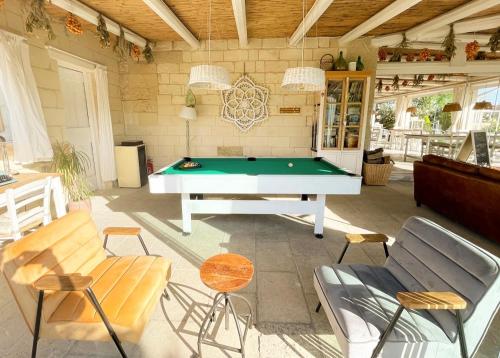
(430, 110)
(386, 115)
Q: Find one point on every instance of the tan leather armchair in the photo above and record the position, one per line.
(66, 287)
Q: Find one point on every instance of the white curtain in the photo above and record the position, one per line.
(29, 132)
(105, 143)
(401, 114)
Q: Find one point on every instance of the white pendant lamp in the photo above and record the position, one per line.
(304, 79)
(210, 77)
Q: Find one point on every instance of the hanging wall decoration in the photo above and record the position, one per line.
(494, 41)
(395, 83)
(102, 32)
(449, 43)
(245, 104)
(121, 46)
(38, 18)
(73, 25)
(471, 50)
(148, 53)
(135, 51)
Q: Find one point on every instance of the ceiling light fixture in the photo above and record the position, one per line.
(452, 107)
(482, 106)
(303, 79)
(209, 77)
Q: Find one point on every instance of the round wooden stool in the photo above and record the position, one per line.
(226, 274)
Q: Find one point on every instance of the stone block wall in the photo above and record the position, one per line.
(152, 96)
(45, 69)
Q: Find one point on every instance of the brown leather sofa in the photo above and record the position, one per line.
(66, 287)
(466, 193)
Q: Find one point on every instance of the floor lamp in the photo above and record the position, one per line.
(188, 113)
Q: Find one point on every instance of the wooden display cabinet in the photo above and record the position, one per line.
(343, 117)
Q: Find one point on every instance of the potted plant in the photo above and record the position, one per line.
(72, 165)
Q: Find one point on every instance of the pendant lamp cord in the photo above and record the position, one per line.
(209, 29)
(303, 29)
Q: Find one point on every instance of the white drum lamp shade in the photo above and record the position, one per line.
(188, 113)
(304, 79)
(210, 77)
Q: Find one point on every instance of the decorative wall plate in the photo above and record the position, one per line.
(245, 104)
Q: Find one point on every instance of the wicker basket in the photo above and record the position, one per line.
(376, 174)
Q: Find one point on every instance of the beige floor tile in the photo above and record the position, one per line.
(280, 298)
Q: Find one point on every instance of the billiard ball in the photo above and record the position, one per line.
(290, 165)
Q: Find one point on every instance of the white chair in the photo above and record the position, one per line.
(16, 220)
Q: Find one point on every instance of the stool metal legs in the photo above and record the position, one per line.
(225, 299)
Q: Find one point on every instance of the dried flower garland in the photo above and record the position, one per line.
(148, 53)
(102, 32)
(410, 57)
(424, 55)
(395, 83)
(449, 43)
(73, 25)
(439, 57)
(121, 46)
(494, 41)
(38, 18)
(471, 50)
(382, 54)
(418, 80)
(135, 51)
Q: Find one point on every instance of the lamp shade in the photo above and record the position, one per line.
(210, 77)
(188, 113)
(483, 106)
(304, 79)
(412, 110)
(452, 107)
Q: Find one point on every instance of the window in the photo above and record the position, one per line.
(430, 111)
(487, 119)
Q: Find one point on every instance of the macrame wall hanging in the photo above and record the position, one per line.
(245, 104)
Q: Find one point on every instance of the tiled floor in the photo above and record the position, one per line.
(283, 250)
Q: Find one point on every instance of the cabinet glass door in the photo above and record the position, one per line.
(352, 124)
(333, 114)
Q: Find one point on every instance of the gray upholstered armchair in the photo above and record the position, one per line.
(433, 284)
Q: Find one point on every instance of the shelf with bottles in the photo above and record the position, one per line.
(334, 92)
(351, 138)
(355, 93)
(331, 138)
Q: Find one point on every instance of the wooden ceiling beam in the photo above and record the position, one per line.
(462, 27)
(318, 9)
(240, 16)
(394, 9)
(90, 15)
(167, 15)
(468, 9)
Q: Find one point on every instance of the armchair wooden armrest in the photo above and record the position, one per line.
(427, 301)
(63, 283)
(359, 238)
(431, 300)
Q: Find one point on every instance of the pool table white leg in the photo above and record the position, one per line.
(186, 213)
(320, 215)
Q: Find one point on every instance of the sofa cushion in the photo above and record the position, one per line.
(363, 301)
(128, 289)
(490, 173)
(451, 164)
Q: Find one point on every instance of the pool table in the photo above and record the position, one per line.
(237, 175)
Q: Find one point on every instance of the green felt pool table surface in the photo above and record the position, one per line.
(269, 166)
